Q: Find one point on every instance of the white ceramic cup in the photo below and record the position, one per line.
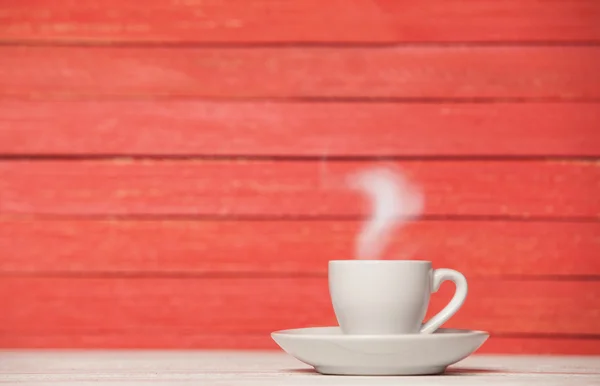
(390, 296)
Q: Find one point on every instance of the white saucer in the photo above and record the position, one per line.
(331, 352)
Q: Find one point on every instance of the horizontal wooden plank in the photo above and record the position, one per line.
(293, 188)
(261, 305)
(177, 127)
(476, 248)
(189, 340)
(385, 72)
(249, 21)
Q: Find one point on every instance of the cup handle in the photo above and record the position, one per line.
(440, 276)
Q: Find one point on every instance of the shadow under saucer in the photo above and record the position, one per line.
(449, 371)
(469, 371)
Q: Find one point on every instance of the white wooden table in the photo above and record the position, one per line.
(223, 368)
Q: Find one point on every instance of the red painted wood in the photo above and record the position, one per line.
(476, 248)
(307, 20)
(190, 340)
(292, 188)
(299, 129)
(192, 283)
(403, 72)
(260, 305)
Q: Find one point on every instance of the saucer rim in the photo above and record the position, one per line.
(449, 335)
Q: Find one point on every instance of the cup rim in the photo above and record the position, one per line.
(356, 261)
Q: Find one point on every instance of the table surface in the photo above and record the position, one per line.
(222, 368)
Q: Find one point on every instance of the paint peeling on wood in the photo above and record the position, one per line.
(413, 72)
(336, 21)
(520, 189)
(476, 248)
(196, 128)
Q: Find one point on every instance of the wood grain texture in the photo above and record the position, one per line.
(476, 248)
(248, 21)
(293, 188)
(189, 340)
(178, 127)
(261, 305)
(414, 72)
(541, 346)
(266, 368)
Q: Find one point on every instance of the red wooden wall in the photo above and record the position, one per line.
(170, 172)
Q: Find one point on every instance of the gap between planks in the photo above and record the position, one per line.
(183, 275)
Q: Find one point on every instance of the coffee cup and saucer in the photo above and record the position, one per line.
(380, 306)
